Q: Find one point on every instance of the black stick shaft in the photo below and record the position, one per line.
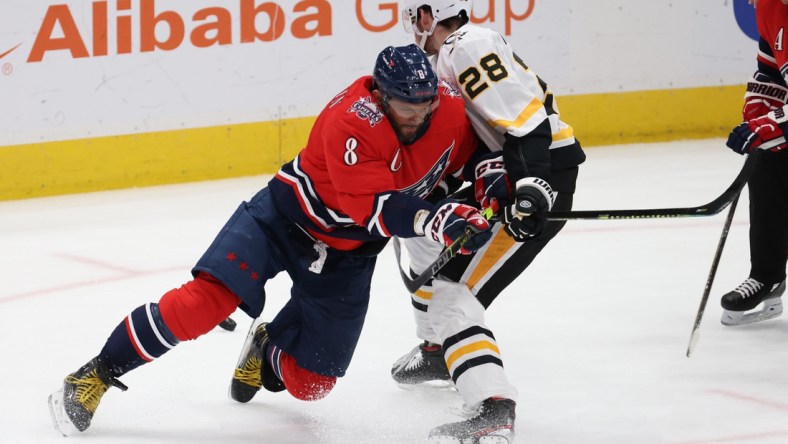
(710, 280)
(709, 209)
(414, 284)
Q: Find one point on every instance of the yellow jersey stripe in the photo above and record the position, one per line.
(564, 134)
(496, 248)
(470, 348)
(426, 295)
(530, 109)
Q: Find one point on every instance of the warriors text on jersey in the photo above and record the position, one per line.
(355, 182)
(502, 94)
(772, 18)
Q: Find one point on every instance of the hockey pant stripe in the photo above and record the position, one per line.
(141, 337)
(474, 362)
(470, 348)
(490, 259)
(473, 347)
(421, 299)
(149, 336)
(419, 306)
(274, 356)
(451, 341)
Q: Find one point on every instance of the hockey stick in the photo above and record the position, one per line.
(710, 280)
(449, 252)
(710, 209)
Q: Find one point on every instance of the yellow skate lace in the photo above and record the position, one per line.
(89, 390)
(250, 373)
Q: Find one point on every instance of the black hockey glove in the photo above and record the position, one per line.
(526, 218)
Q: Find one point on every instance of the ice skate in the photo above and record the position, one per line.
(739, 305)
(72, 407)
(493, 425)
(424, 365)
(252, 371)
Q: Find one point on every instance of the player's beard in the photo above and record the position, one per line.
(408, 133)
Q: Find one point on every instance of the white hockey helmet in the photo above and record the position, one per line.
(441, 10)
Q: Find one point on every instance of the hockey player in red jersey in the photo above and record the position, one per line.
(765, 127)
(516, 116)
(375, 152)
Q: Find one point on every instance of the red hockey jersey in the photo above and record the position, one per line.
(355, 182)
(772, 19)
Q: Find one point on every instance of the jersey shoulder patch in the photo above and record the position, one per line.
(449, 89)
(367, 110)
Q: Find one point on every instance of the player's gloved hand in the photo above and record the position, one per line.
(492, 183)
(449, 220)
(526, 218)
(762, 96)
(765, 132)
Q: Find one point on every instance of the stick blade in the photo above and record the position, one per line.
(693, 342)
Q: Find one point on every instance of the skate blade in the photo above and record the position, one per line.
(59, 416)
(429, 386)
(244, 350)
(444, 440)
(494, 440)
(455, 440)
(771, 308)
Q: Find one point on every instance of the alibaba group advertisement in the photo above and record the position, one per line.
(74, 69)
(167, 29)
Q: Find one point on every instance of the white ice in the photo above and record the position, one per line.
(593, 334)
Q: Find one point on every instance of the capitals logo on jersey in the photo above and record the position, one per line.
(366, 109)
(450, 89)
(426, 184)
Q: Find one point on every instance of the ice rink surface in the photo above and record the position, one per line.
(593, 334)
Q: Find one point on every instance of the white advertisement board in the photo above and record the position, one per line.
(79, 69)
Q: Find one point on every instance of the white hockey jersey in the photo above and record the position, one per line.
(502, 95)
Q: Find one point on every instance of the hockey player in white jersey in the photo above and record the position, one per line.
(514, 113)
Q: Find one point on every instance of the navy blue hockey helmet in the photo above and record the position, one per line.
(404, 73)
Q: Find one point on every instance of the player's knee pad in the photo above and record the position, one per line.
(197, 307)
(304, 384)
(453, 308)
